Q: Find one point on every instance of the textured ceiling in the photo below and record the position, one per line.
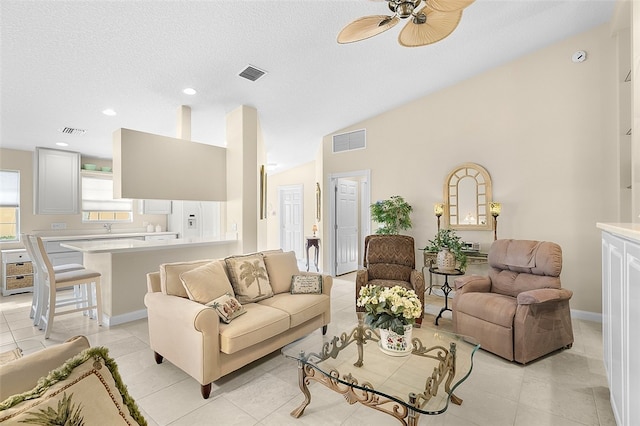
(63, 62)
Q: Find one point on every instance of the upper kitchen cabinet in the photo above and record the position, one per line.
(57, 181)
(154, 206)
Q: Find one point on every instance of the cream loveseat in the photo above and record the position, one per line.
(269, 303)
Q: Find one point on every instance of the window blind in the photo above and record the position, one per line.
(9, 188)
(97, 196)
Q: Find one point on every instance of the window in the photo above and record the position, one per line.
(98, 204)
(9, 205)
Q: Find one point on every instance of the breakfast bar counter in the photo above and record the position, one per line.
(124, 264)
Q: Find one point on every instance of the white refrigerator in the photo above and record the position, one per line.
(195, 219)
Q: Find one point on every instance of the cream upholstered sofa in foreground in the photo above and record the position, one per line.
(211, 317)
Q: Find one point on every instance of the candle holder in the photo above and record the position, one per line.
(495, 209)
(438, 210)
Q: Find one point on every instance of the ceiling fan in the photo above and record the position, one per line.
(433, 22)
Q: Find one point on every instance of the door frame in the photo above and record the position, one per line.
(364, 225)
(300, 188)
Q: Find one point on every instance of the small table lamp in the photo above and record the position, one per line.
(495, 209)
(314, 228)
(438, 209)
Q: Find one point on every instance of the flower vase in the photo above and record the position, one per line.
(445, 260)
(394, 344)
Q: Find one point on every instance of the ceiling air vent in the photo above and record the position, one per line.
(252, 73)
(350, 141)
(72, 131)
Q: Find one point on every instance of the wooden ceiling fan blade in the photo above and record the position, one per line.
(448, 5)
(438, 26)
(366, 27)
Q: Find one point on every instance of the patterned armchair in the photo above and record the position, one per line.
(390, 260)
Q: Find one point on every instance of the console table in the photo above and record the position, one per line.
(313, 242)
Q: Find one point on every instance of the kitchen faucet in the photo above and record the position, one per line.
(107, 226)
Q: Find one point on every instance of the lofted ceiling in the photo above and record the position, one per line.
(64, 62)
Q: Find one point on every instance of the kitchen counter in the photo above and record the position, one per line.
(106, 236)
(131, 245)
(124, 265)
(626, 230)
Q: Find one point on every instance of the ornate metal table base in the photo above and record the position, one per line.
(353, 391)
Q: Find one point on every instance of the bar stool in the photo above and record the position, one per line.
(37, 301)
(82, 301)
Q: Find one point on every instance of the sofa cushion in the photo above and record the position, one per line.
(249, 277)
(227, 307)
(207, 282)
(23, 373)
(280, 268)
(258, 324)
(170, 282)
(299, 307)
(87, 386)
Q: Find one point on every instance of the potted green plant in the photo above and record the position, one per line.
(447, 239)
(393, 214)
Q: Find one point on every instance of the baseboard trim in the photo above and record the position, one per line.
(586, 315)
(121, 319)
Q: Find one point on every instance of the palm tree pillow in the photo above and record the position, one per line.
(85, 390)
(249, 277)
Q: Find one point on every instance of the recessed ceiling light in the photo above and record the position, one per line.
(109, 112)
(62, 144)
(189, 91)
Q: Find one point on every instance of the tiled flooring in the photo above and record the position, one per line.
(565, 389)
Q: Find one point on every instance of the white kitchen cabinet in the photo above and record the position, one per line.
(56, 181)
(154, 206)
(621, 310)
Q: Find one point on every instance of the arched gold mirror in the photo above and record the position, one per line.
(467, 194)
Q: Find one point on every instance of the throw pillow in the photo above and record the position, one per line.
(170, 276)
(249, 277)
(280, 268)
(227, 307)
(206, 282)
(306, 284)
(87, 389)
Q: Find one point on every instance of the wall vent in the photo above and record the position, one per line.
(350, 141)
(252, 73)
(72, 131)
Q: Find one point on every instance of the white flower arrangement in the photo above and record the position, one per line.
(389, 307)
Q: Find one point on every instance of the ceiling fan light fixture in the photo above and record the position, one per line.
(419, 18)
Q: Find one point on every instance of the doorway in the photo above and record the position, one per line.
(291, 218)
(349, 219)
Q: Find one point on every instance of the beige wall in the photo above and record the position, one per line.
(11, 159)
(302, 175)
(544, 128)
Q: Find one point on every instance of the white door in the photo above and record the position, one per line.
(346, 226)
(291, 219)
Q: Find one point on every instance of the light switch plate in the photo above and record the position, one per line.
(58, 225)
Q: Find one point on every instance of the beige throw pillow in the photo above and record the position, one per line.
(249, 278)
(207, 282)
(170, 276)
(280, 268)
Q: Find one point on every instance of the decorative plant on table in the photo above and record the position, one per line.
(448, 239)
(389, 307)
(393, 214)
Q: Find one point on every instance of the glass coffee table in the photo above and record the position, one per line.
(352, 364)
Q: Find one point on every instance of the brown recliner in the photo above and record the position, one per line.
(519, 312)
(390, 260)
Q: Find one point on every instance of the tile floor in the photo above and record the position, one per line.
(568, 388)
